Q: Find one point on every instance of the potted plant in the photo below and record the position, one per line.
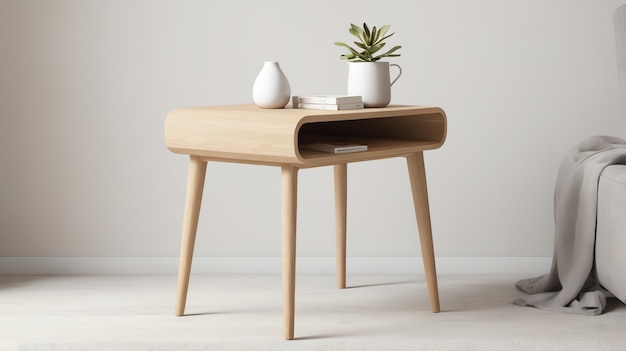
(367, 75)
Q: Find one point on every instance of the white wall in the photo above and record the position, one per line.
(85, 87)
(619, 20)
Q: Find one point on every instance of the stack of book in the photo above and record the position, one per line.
(328, 102)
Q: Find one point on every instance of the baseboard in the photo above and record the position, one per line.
(271, 265)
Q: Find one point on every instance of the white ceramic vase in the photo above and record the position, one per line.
(371, 80)
(271, 88)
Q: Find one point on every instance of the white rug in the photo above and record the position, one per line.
(319, 345)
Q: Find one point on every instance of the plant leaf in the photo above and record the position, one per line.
(373, 49)
(360, 55)
(393, 49)
(385, 37)
(357, 31)
(389, 53)
(372, 36)
(370, 41)
(381, 33)
(361, 45)
(363, 57)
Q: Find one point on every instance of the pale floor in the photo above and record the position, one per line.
(225, 307)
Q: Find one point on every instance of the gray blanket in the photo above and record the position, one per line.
(569, 286)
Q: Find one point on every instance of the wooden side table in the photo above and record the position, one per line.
(248, 134)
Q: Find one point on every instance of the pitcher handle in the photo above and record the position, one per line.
(399, 72)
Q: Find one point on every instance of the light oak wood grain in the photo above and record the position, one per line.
(195, 186)
(417, 176)
(248, 134)
(341, 201)
(289, 208)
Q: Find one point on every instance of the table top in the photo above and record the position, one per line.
(249, 134)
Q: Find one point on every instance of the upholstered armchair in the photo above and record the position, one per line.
(611, 231)
(610, 258)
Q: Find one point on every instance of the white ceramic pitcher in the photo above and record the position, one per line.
(371, 80)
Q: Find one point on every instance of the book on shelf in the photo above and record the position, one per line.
(336, 147)
(335, 107)
(328, 99)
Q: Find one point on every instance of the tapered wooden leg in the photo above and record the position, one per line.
(417, 175)
(195, 186)
(289, 211)
(341, 199)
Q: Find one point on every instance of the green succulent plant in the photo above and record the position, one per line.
(369, 44)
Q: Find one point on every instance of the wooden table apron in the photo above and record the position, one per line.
(278, 137)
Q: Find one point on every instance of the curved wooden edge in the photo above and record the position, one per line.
(248, 134)
(388, 133)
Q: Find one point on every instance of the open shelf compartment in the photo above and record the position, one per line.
(413, 133)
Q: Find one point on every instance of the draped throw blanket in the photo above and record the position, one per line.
(569, 285)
